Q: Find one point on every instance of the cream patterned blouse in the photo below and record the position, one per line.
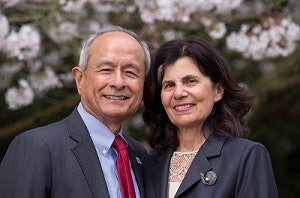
(180, 164)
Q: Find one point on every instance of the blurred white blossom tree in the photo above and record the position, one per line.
(38, 35)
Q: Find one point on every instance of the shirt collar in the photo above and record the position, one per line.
(101, 135)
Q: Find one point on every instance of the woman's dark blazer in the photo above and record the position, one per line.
(243, 170)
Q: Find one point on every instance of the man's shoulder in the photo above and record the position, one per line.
(135, 145)
(46, 131)
(42, 133)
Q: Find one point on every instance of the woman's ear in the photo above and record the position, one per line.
(219, 92)
(78, 75)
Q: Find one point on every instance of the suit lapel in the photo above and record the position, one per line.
(199, 165)
(161, 174)
(211, 148)
(137, 169)
(86, 156)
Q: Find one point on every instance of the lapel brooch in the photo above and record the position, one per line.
(208, 178)
(138, 160)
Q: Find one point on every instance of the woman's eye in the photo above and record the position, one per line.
(168, 85)
(191, 81)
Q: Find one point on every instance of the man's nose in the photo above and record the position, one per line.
(117, 80)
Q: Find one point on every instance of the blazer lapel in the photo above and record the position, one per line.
(211, 148)
(161, 174)
(86, 156)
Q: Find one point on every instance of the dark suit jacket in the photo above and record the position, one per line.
(243, 170)
(59, 160)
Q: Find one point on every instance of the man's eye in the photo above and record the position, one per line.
(105, 70)
(131, 74)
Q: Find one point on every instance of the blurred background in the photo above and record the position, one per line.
(40, 42)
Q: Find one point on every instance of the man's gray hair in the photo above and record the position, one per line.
(85, 51)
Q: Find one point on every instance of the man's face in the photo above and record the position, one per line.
(111, 88)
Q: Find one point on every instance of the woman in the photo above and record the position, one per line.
(195, 110)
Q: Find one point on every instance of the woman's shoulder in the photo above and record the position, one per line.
(233, 143)
(242, 142)
(244, 147)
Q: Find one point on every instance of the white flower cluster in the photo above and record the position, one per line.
(64, 32)
(23, 45)
(171, 34)
(269, 40)
(44, 81)
(181, 11)
(78, 6)
(216, 30)
(19, 96)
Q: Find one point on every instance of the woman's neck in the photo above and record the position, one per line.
(190, 140)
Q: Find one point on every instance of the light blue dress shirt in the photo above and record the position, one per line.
(103, 138)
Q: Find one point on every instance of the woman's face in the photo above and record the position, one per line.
(187, 95)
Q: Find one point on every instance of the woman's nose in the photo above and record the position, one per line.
(179, 91)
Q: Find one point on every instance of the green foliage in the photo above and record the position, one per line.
(276, 124)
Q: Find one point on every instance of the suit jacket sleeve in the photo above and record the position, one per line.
(255, 174)
(25, 169)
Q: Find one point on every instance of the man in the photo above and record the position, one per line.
(74, 157)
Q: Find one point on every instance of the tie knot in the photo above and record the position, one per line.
(119, 143)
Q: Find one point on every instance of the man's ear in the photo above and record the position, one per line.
(219, 92)
(78, 75)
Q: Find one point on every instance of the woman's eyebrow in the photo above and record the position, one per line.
(167, 82)
(188, 77)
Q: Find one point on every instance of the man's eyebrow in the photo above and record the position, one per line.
(108, 62)
(134, 66)
(105, 62)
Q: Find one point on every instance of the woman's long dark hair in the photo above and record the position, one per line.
(226, 118)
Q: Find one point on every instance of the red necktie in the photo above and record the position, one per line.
(123, 167)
